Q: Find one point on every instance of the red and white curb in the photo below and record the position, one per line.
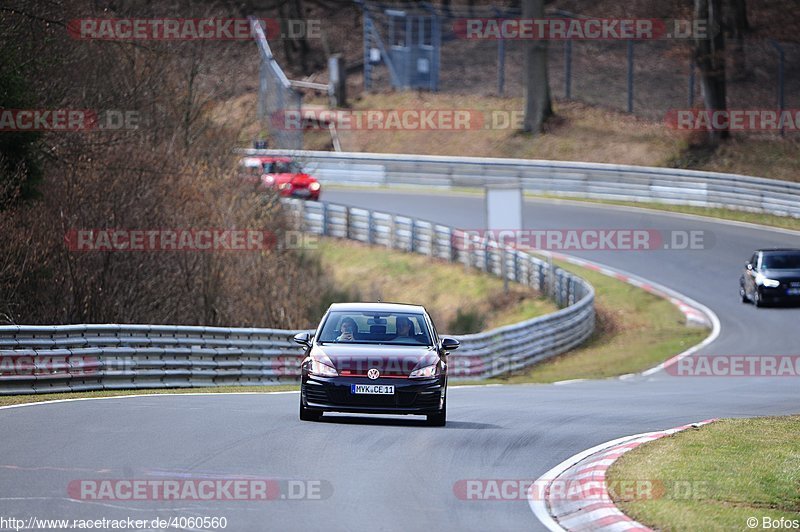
(696, 313)
(595, 511)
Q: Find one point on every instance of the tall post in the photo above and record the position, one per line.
(568, 69)
(630, 76)
(781, 80)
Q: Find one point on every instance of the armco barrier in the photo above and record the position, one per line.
(57, 358)
(569, 179)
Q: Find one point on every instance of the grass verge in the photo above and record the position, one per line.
(718, 476)
(459, 300)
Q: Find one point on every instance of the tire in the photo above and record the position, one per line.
(757, 301)
(309, 414)
(438, 420)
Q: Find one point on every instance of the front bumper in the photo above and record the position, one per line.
(779, 294)
(411, 396)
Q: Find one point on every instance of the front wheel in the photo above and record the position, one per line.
(439, 419)
(757, 301)
(309, 414)
(743, 294)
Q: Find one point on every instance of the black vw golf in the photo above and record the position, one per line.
(771, 276)
(376, 358)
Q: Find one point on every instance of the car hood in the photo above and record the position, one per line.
(296, 179)
(782, 275)
(390, 360)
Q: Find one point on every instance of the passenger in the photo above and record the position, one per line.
(404, 327)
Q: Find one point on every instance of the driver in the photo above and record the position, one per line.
(347, 328)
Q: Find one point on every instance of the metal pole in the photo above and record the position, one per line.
(262, 92)
(781, 80)
(630, 76)
(367, 51)
(691, 84)
(501, 66)
(568, 69)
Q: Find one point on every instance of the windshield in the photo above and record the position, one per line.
(360, 327)
(282, 167)
(781, 261)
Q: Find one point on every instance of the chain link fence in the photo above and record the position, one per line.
(275, 97)
(644, 77)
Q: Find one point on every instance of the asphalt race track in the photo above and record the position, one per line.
(395, 473)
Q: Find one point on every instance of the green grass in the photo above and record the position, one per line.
(369, 273)
(635, 331)
(717, 476)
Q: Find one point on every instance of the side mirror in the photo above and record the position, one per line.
(749, 266)
(303, 339)
(450, 344)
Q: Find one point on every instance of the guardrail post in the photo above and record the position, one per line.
(391, 240)
(413, 235)
(369, 227)
(324, 219)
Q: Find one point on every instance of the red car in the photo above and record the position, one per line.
(281, 174)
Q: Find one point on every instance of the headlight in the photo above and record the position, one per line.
(314, 186)
(284, 186)
(324, 370)
(769, 283)
(427, 371)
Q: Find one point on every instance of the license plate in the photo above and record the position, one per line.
(303, 192)
(373, 389)
(793, 292)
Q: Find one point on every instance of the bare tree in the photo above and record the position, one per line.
(736, 26)
(538, 107)
(709, 54)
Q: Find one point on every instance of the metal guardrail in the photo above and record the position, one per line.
(58, 358)
(570, 179)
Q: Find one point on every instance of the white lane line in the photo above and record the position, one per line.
(569, 381)
(143, 395)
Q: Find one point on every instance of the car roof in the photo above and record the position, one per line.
(267, 159)
(378, 307)
(779, 250)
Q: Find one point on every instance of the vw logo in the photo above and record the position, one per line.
(373, 374)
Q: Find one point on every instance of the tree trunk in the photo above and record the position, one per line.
(709, 54)
(736, 26)
(538, 107)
